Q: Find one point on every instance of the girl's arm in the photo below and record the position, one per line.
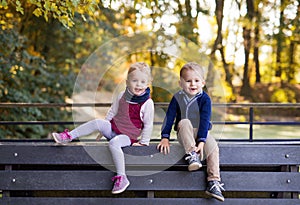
(147, 116)
(114, 107)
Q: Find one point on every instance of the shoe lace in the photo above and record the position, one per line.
(65, 135)
(218, 186)
(117, 180)
(191, 157)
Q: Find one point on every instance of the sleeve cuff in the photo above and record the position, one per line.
(201, 140)
(167, 136)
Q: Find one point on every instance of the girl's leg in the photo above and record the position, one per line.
(115, 146)
(87, 128)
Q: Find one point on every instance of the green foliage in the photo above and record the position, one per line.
(63, 11)
(38, 63)
(27, 78)
(283, 96)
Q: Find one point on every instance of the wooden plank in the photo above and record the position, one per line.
(98, 154)
(75, 154)
(143, 201)
(45, 153)
(260, 154)
(167, 180)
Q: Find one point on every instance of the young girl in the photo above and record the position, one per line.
(130, 116)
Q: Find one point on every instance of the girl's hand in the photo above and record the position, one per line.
(99, 136)
(164, 146)
(200, 150)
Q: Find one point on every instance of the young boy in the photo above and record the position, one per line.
(191, 110)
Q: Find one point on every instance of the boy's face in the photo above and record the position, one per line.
(191, 82)
(137, 82)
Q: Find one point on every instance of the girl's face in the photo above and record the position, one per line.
(137, 82)
(191, 82)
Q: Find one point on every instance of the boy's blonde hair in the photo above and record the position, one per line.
(141, 66)
(195, 67)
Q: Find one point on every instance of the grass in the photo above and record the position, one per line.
(268, 132)
(261, 132)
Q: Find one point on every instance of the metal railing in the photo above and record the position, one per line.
(249, 106)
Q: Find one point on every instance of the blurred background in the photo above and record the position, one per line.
(253, 49)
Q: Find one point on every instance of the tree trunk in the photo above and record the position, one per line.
(279, 39)
(291, 67)
(246, 89)
(292, 53)
(218, 42)
(256, 47)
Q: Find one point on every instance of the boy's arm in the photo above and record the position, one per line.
(147, 112)
(169, 119)
(204, 123)
(164, 145)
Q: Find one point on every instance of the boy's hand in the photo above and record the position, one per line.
(199, 149)
(164, 146)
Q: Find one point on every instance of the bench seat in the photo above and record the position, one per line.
(80, 173)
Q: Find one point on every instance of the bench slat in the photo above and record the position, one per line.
(167, 180)
(95, 154)
(142, 201)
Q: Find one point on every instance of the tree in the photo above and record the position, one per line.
(247, 30)
(42, 58)
(20, 69)
(218, 43)
(44, 43)
(257, 42)
(64, 11)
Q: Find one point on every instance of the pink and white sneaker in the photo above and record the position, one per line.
(120, 184)
(63, 137)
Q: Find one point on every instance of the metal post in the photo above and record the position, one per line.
(6, 193)
(251, 124)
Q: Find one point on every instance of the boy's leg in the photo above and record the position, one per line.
(185, 135)
(115, 145)
(214, 187)
(211, 150)
(186, 138)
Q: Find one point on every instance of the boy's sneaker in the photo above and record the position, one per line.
(62, 138)
(193, 160)
(120, 184)
(214, 189)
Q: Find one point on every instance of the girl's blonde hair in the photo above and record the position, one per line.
(195, 67)
(141, 66)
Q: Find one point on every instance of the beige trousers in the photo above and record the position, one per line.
(186, 136)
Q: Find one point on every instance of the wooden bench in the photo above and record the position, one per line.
(44, 173)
